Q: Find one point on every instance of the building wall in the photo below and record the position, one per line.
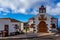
(2, 23)
(48, 22)
(22, 26)
(31, 21)
(10, 24)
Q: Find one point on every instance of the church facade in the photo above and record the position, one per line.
(43, 22)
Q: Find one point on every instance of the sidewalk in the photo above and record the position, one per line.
(45, 34)
(28, 35)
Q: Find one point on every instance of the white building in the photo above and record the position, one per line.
(31, 25)
(43, 22)
(9, 25)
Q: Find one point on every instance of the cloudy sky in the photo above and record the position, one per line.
(24, 9)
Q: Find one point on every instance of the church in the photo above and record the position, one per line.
(43, 22)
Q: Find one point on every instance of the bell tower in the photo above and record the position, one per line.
(42, 9)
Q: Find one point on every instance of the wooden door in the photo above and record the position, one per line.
(42, 27)
(6, 29)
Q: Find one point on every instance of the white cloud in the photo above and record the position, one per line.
(4, 10)
(35, 11)
(58, 4)
(21, 6)
(54, 10)
(22, 10)
(18, 5)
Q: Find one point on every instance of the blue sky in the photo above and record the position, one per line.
(24, 9)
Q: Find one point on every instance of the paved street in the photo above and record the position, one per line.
(34, 37)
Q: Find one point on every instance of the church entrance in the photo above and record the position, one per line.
(42, 27)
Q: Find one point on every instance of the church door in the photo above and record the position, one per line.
(42, 27)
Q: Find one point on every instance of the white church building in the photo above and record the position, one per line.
(43, 22)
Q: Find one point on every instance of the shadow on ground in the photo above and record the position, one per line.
(35, 37)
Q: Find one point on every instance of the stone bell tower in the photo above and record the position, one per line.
(42, 9)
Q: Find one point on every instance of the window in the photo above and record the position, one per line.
(33, 27)
(16, 26)
(53, 26)
(34, 30)
(33, 21)
(24, 27)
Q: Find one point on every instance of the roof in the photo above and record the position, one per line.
(54, 18)
(26, 24)
(12, 20)
(31, 19)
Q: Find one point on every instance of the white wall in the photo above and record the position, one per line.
(2, 23)
(48, 21)
(10, 24)
(22, 26)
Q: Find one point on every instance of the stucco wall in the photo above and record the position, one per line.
(48, 21)
(22, 26)
(10, 24)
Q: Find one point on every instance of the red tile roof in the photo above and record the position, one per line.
(12, 20)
